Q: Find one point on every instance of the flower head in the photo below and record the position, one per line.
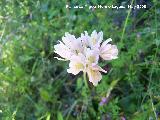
(104, 100)
(84, 53)
(68, 47)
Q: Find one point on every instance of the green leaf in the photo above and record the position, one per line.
(44, 95)
(59, 116)
(48, 116)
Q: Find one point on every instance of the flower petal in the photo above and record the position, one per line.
(105, 43)
(109, 52)
(96, 39)
(63, 51)
(98, 68)
(92, 56)
(85, 39)
(60, 59)
(94, 76)
(75, 45)
(75, 68)
(77, 64)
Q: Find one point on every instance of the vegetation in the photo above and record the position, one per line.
(35, 86)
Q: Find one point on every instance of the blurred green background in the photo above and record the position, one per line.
(36, 86)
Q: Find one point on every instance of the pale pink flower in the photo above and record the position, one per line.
(85, 39)
(95, 39)
(108, 51)
(94, 74)
(87, 63)
(68, 47)
(62, 50)
(92, 41)
(84, 52)
(72, 43)
(92, 68)
(77, 64)
(92, 56)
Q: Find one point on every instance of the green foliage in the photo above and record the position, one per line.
(35, 86)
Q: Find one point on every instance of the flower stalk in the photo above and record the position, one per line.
(85, 80)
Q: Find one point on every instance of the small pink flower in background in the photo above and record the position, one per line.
(84, 53)
(104, 100)
(123, 118)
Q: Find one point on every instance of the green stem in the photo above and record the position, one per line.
(85, 80)
(126, 21)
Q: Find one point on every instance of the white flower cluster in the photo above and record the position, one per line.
(84, 52)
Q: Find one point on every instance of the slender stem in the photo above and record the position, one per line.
(126, 21)
(85, 80)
